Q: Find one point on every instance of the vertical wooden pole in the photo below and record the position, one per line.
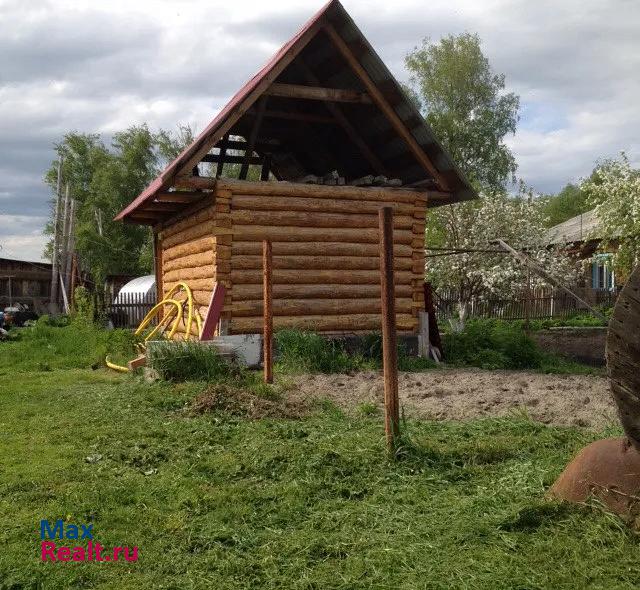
(267, 261)
(389, 339)
(56, 241)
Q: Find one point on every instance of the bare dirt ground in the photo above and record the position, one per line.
(463, 394)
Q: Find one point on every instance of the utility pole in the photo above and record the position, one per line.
(56, 240)
(64, 241)
(70, 245)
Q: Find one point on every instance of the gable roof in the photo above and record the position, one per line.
(377, 131)
(581, 228)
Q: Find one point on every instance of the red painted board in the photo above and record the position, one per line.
(213, 313)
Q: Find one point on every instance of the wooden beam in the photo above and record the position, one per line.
(266, 167)
(261, 144)
(241, 108)
(231, 159)
(317, 93)
(294, 116)
(385, 107)
(348, 128)
(179, 197)
(160, 207)
(253, 136)
(223, 152)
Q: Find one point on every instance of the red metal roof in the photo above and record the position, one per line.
(171, 169)
(388, 150)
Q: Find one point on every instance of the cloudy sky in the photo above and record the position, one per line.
(102, 66)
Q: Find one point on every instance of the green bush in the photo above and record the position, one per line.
(191, 361)
(308, 352)
(49, 345)
(492, 344)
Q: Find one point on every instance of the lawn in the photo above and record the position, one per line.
(219, 501)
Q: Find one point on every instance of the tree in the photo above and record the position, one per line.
(518, 221)
(568, 203)
(464, 102)
(103, 181)
(613, 190)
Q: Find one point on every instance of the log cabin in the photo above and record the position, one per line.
(329, 137)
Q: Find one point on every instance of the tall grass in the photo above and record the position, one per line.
(49, 345)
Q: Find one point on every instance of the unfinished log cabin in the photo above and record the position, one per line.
(318, 141)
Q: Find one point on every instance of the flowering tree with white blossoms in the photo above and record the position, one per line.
(474, 226)
(613, 189)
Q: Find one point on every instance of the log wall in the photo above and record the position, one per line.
(325, 254)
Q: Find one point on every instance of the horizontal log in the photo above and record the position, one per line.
(284, 188)
(298, 307)
(318, 249)
(194, 284)
(245, 292)
(204, 229)
(205, 244)
(305, 219)
(242, 262)
(322, 323)
(202, 216)
(317, 93)
(186, 274)
(314, 234)
(309, 277)
(179, 196)
(322, 205)
(189, 261)
(229, 159)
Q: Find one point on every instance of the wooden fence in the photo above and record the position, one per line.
(542, 304)
(130, 309)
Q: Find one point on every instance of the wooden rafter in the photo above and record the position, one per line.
(224, 144)
(216, 158)
(385, 107)
(241, 108)
(348, 128)
(179, 197)
(253, 136)
(317, 93)
(294, 116)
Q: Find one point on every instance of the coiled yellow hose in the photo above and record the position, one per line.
(176, 313)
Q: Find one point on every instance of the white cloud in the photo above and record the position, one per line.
(89, 66)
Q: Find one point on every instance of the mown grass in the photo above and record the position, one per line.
(214, 500)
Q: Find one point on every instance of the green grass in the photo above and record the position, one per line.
(219, 501)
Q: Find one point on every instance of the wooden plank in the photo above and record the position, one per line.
(229, 159)
(214, 311)
(385, 107)
(222, 155)
(180, 196)
(317, 93)
(253, 136)
(267, 287)
(389, 338)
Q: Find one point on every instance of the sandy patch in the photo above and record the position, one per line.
(464, 394)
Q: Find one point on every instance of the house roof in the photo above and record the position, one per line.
(373, 128)
(581, 228)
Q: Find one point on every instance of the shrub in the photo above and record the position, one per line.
(308, 352)
(191, 361)
(492, 344)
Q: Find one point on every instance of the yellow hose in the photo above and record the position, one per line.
(177, 309)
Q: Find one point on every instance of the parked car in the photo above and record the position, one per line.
(17, 315)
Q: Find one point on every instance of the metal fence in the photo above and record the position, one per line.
(129, 309)
(541, 304)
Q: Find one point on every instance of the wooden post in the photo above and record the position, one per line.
(56, 241)
(267, 260)
(389, 340)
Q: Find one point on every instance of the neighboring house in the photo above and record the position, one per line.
(579, 235)
(28, 283)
